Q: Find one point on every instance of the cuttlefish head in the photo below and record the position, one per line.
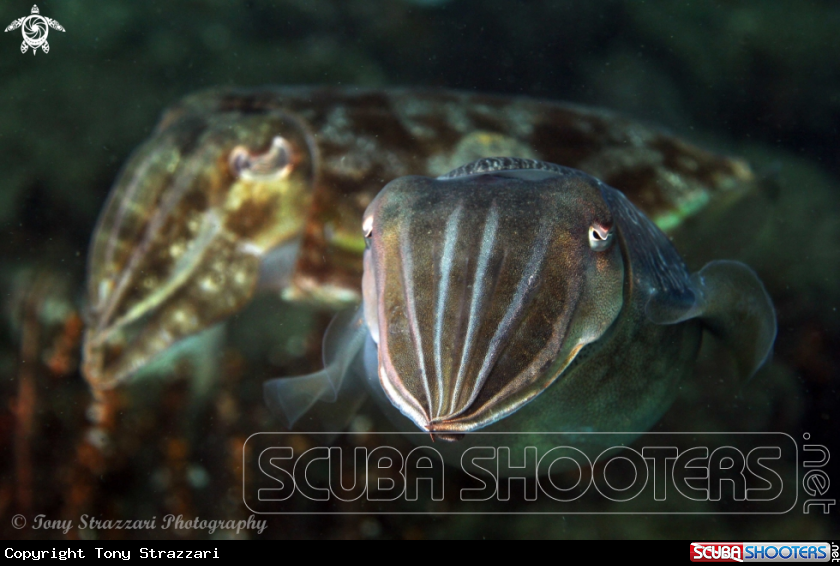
(483, 285)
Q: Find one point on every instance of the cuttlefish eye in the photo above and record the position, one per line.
(367, 226)
(600, 237)
(367, 230)
(274, 163)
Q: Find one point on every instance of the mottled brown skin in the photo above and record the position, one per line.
(366, 138)
(180, 242)
(183, 237)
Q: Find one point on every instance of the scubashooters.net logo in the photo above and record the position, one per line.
(35, 29)
(651, 473)
(762, 552)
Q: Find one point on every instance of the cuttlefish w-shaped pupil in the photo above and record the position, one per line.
(275, 162)
(498, 289)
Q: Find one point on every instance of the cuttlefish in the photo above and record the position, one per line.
(514, 295)
(239, 193)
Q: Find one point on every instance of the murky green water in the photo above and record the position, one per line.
(752, 79)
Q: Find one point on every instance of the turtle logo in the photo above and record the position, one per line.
(35, 30)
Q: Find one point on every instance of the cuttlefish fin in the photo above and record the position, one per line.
(293, 397)
(674, 308)
(731, 302)
(737, 310)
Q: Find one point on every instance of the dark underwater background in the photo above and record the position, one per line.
(753, 78)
